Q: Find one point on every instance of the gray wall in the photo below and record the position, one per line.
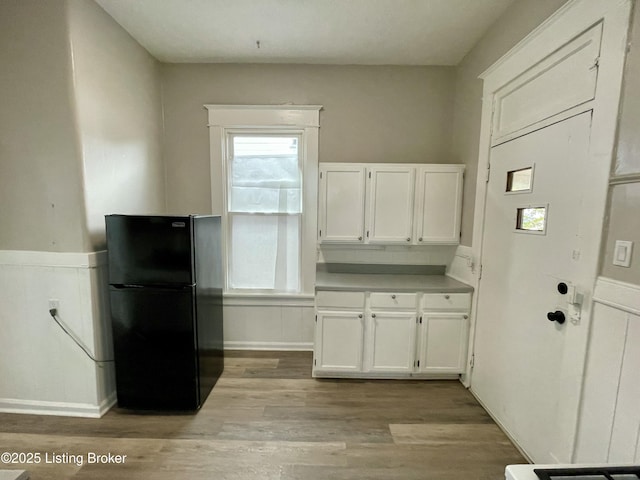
(118, 104)
(518, 20)
(80, 125)
(41, 199)
(624, 210)
(370, 114)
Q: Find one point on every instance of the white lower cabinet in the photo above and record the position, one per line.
(390, 342)
(339, 339)
(339, 335)
(443, 342)
(443, 333)
(379, 334)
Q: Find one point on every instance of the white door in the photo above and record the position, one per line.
(525, 367)
(443, 342)
(391, 342)
(338, 342)
(439, 204)
(390, 215)
(341, 199)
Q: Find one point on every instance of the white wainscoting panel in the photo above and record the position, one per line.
(42, 370)
(462, 266)
(609, 424)
(268, 325)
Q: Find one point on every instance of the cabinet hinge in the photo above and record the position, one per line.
(596, 63)
(420, 320)
(320, 233)
(488, 172)
(369, 174)
(480, 272)
(314, 362)
(367, 233)
(418, 363)
(316, 318)
(472, 360)
(321, 175)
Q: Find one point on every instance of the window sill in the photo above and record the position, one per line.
(268, 299)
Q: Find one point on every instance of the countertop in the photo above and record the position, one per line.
(378, 282)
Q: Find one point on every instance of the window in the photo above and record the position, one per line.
(264, 209)
(264, 177)
(531, 219)
(520, 181)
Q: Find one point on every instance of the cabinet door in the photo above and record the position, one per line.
(341, 200)
(391, 342)
(439, 204)
(443, 342)
(390, 204)
(338, 342)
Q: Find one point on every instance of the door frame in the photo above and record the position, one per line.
(575, 17)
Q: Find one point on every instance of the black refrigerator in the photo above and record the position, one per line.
(165, 293)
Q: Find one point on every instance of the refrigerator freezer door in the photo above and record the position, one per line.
(150, 250)
(155, 348)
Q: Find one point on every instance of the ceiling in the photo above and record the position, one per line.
(359, 32)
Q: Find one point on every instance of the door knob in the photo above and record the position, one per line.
(557, 316)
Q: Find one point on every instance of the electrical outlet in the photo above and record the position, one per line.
(54, 303)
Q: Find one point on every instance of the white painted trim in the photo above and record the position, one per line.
(463, 269)
(590, 10)
(302, 118)
(27, 258)
(619, 295)
(271, 346)
(539, 125)
(235, 300)
(384, 376)
(264, 115)
(38, 407)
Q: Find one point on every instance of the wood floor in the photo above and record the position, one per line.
(268, 419)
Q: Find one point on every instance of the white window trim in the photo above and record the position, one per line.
(302, 118)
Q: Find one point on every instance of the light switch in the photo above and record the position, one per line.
(622, 253)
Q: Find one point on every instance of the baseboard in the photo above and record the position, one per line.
(275, 346)
(385, 376)
(31, 407)
(503, 428)
(108, 403)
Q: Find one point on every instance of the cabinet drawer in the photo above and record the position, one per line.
(446, 301)
(329, 299)
(393, 300)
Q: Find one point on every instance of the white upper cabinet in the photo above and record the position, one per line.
(406, 204)
(390, 204)
(438, 204)
(341, 198)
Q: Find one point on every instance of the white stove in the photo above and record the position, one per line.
(572, 472)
